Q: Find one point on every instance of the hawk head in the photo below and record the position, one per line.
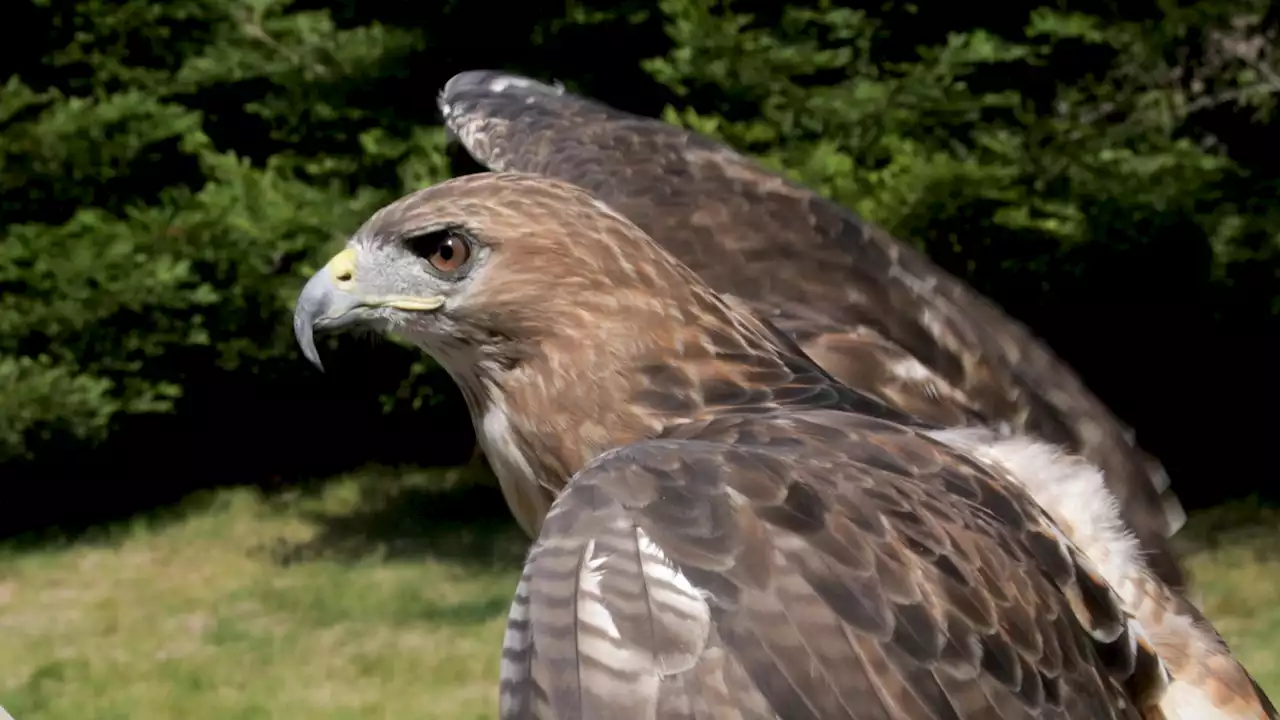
(482, 270)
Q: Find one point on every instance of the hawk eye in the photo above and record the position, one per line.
(445, 250)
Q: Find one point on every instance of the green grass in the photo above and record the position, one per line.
(330, 605)
(370, 597)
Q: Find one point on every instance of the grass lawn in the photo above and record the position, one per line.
(366, 597)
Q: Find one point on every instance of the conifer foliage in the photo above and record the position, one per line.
(169, 172)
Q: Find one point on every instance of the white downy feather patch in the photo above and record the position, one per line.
(1070, 489)
(1074, 494)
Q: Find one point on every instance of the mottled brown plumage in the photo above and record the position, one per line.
(838, 582)
(1207, 682)
(734, 533)
(1193, 651)
(872, 311)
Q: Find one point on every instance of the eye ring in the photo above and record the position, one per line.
(446, 251)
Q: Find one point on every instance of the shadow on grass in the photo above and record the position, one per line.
(455, 514)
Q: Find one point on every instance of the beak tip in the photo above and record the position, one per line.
(303, 332)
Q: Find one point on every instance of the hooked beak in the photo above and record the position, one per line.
(330, 301)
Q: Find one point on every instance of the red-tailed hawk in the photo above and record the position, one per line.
(734, 532)
(874, 312)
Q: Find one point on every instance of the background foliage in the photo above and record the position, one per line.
(170, 172)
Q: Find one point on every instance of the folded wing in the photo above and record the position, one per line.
(811, 565)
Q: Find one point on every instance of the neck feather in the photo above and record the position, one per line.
(581, 394)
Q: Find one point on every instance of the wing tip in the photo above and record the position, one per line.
(487, 82)
(1174, 514)
(462, 92)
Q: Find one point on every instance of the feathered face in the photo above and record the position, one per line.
(403, 272)
(491, 266)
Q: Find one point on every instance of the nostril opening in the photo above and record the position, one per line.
(344, 277)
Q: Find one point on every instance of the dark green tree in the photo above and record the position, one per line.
(169, 172)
